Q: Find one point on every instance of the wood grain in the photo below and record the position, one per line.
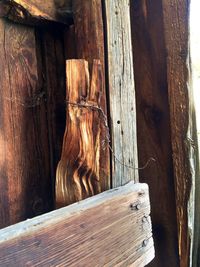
(110, 229)
(25, 183)
(51, 39)
(78, 172)
(88, 34)
(176, 24)
(37, 11)
(153, 125)
(121, 92)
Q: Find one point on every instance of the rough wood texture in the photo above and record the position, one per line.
(36, 11)
(121, 91)
(89, 45)
(89, 33)
(176, 23)
(78, 172)
(54, 73)
(25, 185)
(110, 229)
(153, 126)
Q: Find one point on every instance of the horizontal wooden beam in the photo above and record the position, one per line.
(110, 229)
(37, 11)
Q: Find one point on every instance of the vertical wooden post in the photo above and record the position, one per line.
(176, 25)
(89, 39)
(153, 125)
(121, 92)
(88, 35)
(25, 183)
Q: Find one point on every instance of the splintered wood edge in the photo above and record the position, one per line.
(121, 215)
(32, 225)
(79, 172)
(27, 12)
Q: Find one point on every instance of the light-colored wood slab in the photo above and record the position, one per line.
(121, 92)
(110, 229)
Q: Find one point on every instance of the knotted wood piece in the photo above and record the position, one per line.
(78, 172)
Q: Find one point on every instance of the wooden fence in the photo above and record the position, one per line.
(129, 63)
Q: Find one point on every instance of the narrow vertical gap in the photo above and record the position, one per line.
(54, 91)
(107, 88)
(41, 53)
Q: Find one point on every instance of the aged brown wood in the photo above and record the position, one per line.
(110, 229)
(89, 32)
(89, 40)
(25, 184)
(70, 43)
(153, 124)
(78, 172)
(176, 24)
(36, 11)
(86, 40)
(121, 92)
(53, 57)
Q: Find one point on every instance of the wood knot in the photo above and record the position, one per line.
(135, 206)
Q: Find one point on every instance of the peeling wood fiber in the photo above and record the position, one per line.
(78, 172)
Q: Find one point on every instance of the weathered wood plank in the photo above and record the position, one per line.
(89, 45)
(36, 11)
(25, 185)
(176, 24)
(110, 229)
(153, 126)
(121, 92)
(78, 172)
(89, 34)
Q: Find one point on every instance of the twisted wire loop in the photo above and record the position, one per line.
(106, 141)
